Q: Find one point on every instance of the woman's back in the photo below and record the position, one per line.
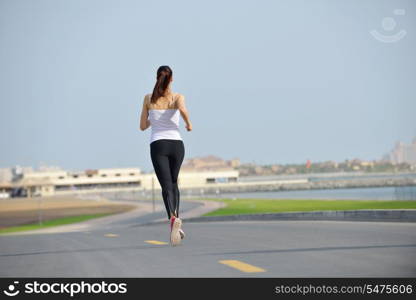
(164, 117)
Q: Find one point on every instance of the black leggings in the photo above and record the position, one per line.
(167, 157)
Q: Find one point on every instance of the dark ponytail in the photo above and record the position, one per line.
(164, 75)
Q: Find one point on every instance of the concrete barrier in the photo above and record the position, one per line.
(376, 215)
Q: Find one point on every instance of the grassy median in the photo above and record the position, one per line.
(257, 206)
(50, 223)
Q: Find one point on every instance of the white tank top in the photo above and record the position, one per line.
(164, 124)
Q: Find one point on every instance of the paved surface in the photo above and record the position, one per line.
(144, 213)
(126, 248)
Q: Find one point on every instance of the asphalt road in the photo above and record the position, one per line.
(128, 248)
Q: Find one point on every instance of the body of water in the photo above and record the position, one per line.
(327, 176)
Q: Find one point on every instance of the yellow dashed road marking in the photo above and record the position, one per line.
(241, 266)
(111, 235)
(156, 242)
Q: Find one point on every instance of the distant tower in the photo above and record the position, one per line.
(17, 173)
(404, 153)
(308, 164)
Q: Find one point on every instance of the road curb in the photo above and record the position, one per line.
(375, 215)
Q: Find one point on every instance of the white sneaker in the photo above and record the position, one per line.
(182, 234)
(175, 226)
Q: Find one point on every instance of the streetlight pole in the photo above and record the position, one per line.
(40, 219)
(153, 191)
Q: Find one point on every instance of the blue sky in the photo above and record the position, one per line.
(264, 81)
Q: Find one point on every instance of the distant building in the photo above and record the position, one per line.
(367, 163)
(60, 182)
(403, 153)
(209, 162)
(6, 174)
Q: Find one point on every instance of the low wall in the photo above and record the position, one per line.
(376, 215)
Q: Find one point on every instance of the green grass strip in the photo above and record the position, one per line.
(256, 206)
(51, 223)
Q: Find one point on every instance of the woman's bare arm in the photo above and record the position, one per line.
(144, 122)
(184, 112)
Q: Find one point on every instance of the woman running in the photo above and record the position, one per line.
(161, 112)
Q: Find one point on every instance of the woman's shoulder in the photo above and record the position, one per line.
(179, 99)
(175, 95)
(173, 102)
(179, 96)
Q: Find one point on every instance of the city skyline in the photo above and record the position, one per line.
(401, 152)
